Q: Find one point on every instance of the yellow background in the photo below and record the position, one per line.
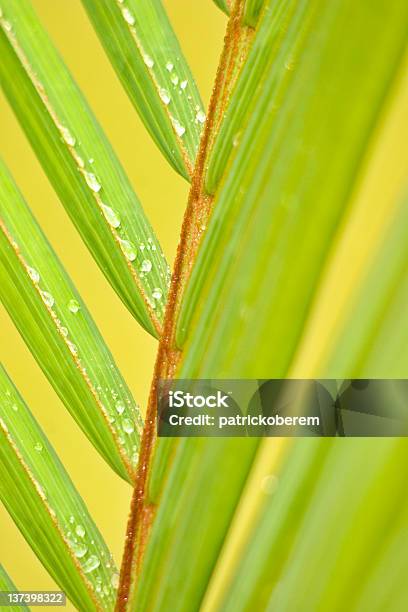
(200, 28)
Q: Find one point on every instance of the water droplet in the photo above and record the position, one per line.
(79, 549)
(128, 249)
(92, 181)
(169, 66)
(164, 96)
(67, 136)
(146, 265)
(148, 60)
(47, 298)
(200, 116)
(64, 331)
(180, 130)
(80, 531)
(38, 447)
(15, 407)
(41, 491)
(174, 79)
(7, 26)
(91, 564)
(128, 426)
(106, 590)
(72, 347)
(157, 293)
(73, 306)
(127, 15)
(115, 580)
(183, 84)
(269, 484)
(120, 406)
(71, 519)
(110, 215)
(33, 274)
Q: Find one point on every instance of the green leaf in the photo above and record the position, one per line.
(6, 584)
(275, 49)
(252, 9)
(274, 217)
(310, 516)
(143, 49)
(283, 197)
(81, 164)
(58, 329)
(177, 535)
(223, 5)
(44, 504)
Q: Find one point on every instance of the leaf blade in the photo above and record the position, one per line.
(57, 327)
(81, 165)
(144, 51)
(35, 483)
(6, 584)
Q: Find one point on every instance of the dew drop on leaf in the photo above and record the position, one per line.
(79, 549)
(146, 265)
(67, 136)
(91, 564)
(128, 250)
(47, 298)
(128, 17)
(110, 215)
(120, 406)
(73, 306)
(92, 181)
(164, 96)
(33, 274)
(157, 293)
(128, 426)
(200, 116)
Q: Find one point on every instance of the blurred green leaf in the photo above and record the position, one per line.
(181, 533)
(81, 164)
(311, 516)
(143, 49)
(49, 512)
(276, 46)
(58, 329)
(275, 216)
(6, 584)
(276, 211)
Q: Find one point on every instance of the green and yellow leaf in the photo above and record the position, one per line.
(141, 44)
(44, 504)
(58, 329)
(6, 584)
(81, 164)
